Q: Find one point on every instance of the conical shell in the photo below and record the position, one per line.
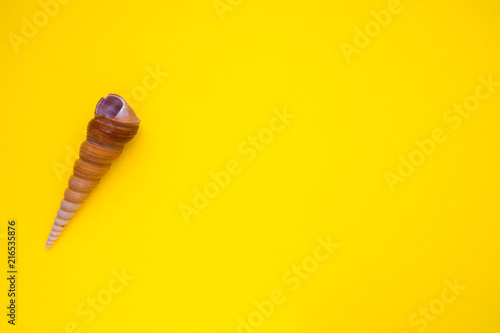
(114, 124)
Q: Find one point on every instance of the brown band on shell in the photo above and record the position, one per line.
(81, 184)
(86, 170)
(96, 154)
(110, 134)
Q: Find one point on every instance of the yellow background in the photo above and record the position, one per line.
(323, 175)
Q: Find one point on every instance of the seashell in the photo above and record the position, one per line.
(114, 124)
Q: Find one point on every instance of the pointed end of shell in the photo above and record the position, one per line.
(50, 241)
(114, 107)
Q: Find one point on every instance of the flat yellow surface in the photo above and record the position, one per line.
(316, 166)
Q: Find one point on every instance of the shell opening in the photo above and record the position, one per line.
(109, 106)
(115, 107)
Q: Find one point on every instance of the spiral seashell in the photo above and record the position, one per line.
(114, 124)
